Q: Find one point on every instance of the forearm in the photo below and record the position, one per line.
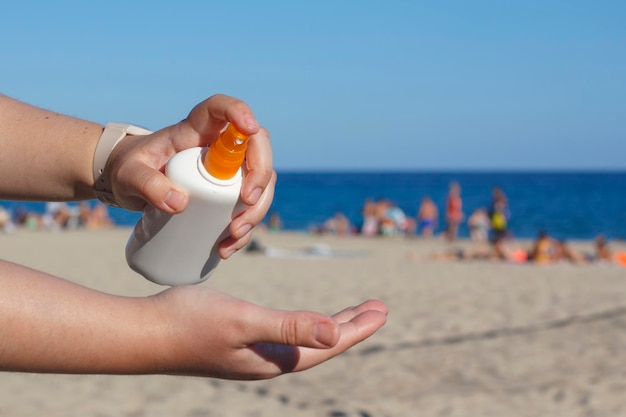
(45, 155)
(51, 325)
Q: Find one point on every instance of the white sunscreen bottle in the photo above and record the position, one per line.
(181, 249)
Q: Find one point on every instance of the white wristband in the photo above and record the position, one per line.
(112, 135)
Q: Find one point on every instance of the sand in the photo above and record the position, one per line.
(464, 338)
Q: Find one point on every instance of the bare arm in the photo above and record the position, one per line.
(45, 155)
(48, 324)
(51, 325)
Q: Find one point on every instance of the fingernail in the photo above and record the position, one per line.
(228, 253)
(251, 122)
(175, 200)
(241, 232)
(255, 195)
(326, 334)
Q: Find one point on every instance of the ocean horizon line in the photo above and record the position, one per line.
(464, 171)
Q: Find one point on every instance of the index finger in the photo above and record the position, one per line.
(351, 333)
(209, 117)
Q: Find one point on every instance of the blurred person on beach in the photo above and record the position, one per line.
(52, 325)
(463, 254)
(57, 215)
(84, 214)
(386, 225)
(542, 251)
(338, 225)
(27, 219)
(6, 221)
(547, 250)
(499, 214)
(427, 217)
(396, 222)
(94, 218)
(454, 211)
(478, 224)
(563, 252)
(275, 223)
(603, 252)
(497, 251)
(370, 224)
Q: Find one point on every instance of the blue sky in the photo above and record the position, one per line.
(344, 85)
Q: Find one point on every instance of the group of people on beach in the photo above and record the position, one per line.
(57, 216)
(482, 223)
(488, 229)
(544, 250)
(383, 217)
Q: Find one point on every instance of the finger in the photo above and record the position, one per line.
(210, 116)
(349, 313)
(253, 215)
(242, 226)
(154, 187)
(352, 332)
(260, 172)
(230, 245)
(293, 328)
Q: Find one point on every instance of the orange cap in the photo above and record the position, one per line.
(226, 155)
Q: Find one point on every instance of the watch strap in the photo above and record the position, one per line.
(112, 135)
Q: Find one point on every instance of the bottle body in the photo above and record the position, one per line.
(182, 249)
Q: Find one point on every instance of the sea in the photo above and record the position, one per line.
(568, 205)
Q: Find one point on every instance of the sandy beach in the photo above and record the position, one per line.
(463, 338)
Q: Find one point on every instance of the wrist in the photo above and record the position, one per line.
(148, 337)
(111, 136)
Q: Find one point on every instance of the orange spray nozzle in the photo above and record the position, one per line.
(226, 155)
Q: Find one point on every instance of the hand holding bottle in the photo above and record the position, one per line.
(136, 165)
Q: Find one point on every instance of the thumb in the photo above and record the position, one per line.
(153, 187)
(295, 328)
